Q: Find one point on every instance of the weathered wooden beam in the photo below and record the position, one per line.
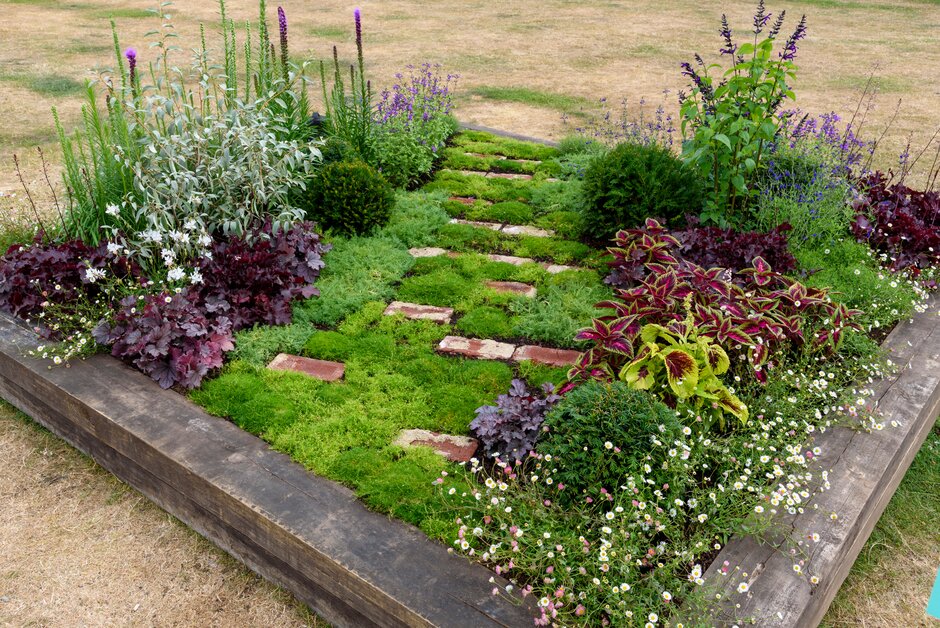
(864, 471)
(352, 566)
(357, 568)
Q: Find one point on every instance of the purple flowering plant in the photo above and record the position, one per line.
(729, 122)
(413, 122)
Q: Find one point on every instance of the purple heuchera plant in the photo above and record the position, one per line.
(167, 338)
(512, 426)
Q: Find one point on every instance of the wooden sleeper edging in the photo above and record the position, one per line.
(310, 535)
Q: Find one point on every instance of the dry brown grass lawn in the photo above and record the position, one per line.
(76, 546)
(571, 47)
(80, 548)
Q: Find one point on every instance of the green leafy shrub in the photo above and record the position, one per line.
(350, 198)
(220, 151)
(634, 182)
(730, 124)
(604, 433)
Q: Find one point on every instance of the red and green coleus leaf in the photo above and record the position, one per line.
(717, 357)
(682, 370)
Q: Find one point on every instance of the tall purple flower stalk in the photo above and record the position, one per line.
(358, 15)
(789, 50)
(131, 56)
(730, 46)
(760, 18)
(282, 28)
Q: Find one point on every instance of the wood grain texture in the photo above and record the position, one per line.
(864, 471)
(312, 536)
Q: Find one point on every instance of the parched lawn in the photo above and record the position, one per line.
(522, 64)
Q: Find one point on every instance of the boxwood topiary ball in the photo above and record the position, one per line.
(350, 198)
(634, 182)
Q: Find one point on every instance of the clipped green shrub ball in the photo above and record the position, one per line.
(349, 198)
(632, 183)
(599, 434)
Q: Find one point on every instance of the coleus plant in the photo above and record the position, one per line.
(705, 246)
(765, 313)
(683, 366)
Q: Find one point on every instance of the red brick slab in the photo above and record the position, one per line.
(519, 230)
(545, 355)
(455, 448)
(509, 259)
(476, 348)
(522, 289)
(509, 175)
(554, 269)
(495, 226)
(317, 369)
(428, 251)
(466, 200)
(420, 312)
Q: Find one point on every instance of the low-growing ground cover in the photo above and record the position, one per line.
(645, 336)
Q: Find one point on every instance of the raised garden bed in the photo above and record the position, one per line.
(295, 528)
(357, 568)
(361, 293)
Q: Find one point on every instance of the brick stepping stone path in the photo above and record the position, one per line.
(507, 229)
(318, 369)
(476, 348)
(428, 251)
(515, 287)
(546, 355)
(455, 448)
(418, 312)
(492, 350)
(494, 226)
